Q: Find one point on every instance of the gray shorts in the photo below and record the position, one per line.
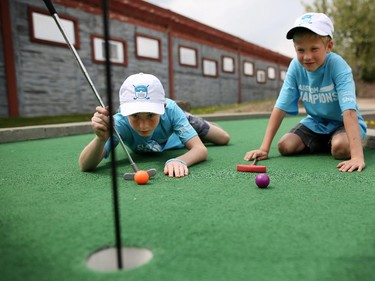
(200, 125)
(315, 142)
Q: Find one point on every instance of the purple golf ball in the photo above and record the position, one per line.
(262, 180)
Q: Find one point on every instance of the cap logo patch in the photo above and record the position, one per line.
(141, 92)
(306, 19)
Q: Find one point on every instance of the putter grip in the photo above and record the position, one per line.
(251, 168)
(50, 7)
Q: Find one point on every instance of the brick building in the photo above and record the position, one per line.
(197, 63)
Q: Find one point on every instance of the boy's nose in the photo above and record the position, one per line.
(142, 123)
(307, 55)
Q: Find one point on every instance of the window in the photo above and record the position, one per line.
(282, 75)
(117, 50)
(227, 64)
(209, 67)
(271, 72)
(188, 56)
(261, 76)
(44, 29)
(147, 47)
(248, 68)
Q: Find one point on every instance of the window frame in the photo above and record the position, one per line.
(245, 62)
(33, 29)
(282, 74)
(264, 72)
(117, 41)
(271, 76)
(148, 37)
(223, 57)
(186, 64)
(205, 74)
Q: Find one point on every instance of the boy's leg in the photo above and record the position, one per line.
(301, 139)
(290, 144)
(340, 148)
(216, 135)
(208, 132)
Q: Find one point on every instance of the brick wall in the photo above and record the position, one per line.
(49, 81)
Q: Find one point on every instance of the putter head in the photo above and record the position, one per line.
(251, 168)
(130, 176)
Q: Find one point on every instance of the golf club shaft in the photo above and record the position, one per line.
(56, 17)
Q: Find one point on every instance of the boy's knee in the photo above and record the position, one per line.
(340, 151)
(340, 147)
(216, 136)
(290, 144)
(224, 139)
(285, 147)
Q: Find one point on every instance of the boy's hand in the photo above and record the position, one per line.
(100, 122)
(176, 168)
(256, 154)
(351, 165)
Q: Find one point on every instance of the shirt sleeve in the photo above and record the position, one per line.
(289, 95)
(180, 124)
(344, 83)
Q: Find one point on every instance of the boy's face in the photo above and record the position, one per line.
(144, 123)
(312, 52)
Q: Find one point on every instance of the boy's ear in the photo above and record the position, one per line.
(330, 46)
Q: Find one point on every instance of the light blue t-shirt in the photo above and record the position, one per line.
(325, 93)
(172, 132)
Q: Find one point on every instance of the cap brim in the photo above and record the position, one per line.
(291, 32)
(130, 108)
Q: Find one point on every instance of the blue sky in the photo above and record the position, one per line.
(262, 22)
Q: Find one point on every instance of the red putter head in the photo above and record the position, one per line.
(251, 168)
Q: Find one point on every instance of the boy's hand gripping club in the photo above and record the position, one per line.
(55, 16)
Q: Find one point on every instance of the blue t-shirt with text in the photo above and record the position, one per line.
(172, 132)
(325, 93)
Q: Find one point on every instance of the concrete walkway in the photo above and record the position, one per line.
(366, 106)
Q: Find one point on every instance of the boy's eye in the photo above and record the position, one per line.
(137, 116)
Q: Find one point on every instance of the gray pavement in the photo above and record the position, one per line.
(366, 106)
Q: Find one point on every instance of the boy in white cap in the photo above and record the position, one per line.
(324, 83)
(149, 122)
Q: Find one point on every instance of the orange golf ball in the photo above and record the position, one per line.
(141, 177)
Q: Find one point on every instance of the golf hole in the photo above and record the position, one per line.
(106, 259)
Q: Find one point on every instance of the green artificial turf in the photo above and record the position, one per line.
(311, 223)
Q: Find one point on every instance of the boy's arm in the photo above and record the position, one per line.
(274, 123)
(356, 161)
(92, 154)
(197, 152)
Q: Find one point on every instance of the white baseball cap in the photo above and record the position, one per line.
(142, 93)
(316, 22)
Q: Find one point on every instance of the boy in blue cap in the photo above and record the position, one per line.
(324, 83)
